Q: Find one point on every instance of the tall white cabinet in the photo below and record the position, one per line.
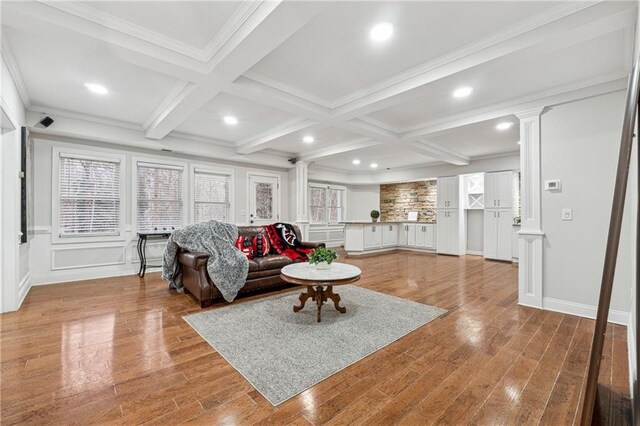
(499, 190)
(451, 233)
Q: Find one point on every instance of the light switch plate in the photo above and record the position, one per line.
(567, 214)
(554, 185)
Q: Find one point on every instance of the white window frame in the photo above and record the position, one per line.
(258, 172)
(326, 187)
(186, 194)
(57, 152)
(213, 170)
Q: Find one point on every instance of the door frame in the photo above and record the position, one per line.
(278, 192)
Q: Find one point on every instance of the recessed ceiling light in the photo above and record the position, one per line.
(462, 92)
(231, 120)
(381, 32)
(308, 139)
(356, 162)
(96, 88)
(504, 125)
(374, 165)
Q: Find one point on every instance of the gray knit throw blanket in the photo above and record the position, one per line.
(227, 266)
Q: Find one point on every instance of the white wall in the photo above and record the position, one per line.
(580, 144)
(69, 261)
(361, 199)
(15, 257)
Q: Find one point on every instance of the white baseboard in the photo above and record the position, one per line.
(582, 310)
(23, 289)
(631, 349)
(475, 253)
(83, 276)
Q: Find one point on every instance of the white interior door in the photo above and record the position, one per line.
(264, 199)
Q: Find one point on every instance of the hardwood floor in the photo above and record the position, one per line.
(117, 351)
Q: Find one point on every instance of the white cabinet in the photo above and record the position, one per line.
(389, 235)
(449, 192)
(451, 232)
(425, 237)
(411, 235)
(499, 188)
(403, 233)
(498, 234)
(372, 236)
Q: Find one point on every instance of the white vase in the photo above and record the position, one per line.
(323, 265)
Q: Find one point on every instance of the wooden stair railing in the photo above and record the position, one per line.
(613, 242)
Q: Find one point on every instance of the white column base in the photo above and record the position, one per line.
(530, 269)
(304, 229)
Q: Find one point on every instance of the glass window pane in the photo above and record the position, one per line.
(264, 200)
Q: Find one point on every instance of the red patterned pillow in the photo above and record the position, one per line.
(261, 245)
(245, 245)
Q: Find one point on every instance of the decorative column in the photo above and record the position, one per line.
(530, 237)
(301, 195)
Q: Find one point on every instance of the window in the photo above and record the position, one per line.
(326, 204)
(159, 197)
(89, 196)
(211, 196)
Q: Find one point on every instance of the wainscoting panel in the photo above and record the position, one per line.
(154, 252)
(85, 257)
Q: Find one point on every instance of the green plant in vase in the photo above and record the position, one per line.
(322, 257)
(375, 214)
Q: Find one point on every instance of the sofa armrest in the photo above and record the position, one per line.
(308, 244)
(193, 260)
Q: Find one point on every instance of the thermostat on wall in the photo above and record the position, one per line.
(552, 185)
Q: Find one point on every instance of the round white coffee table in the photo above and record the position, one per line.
(307, 275)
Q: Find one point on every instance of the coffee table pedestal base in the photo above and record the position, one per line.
(319, 295)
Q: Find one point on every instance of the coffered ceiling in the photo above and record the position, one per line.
(178, 73)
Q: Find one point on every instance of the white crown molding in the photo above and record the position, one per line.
(14, 69)
(204, 55)
(58, 112)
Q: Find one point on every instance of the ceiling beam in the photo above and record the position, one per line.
(72, 129)
(556, 96)
(269, 26)
(439, 152)
(574, 21)
(337, 149)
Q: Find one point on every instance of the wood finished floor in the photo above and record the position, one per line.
(117, 351)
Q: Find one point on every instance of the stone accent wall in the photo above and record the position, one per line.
(398, 199)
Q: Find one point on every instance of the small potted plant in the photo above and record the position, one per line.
(375, 214)
(322, 258)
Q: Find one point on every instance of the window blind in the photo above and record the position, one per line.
(211, 197)
(335, 201)
(159, 197)
(89, 197)
(317, 205)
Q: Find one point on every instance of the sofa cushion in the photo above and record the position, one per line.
(253, 266)
(273, 261)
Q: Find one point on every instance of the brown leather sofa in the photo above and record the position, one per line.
(264, 272)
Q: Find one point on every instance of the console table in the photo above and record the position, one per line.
(142, 248)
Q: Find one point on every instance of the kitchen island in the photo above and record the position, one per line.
(366, 237)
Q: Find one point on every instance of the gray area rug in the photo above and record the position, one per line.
(282, 353)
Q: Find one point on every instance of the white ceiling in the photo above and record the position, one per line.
(337, 43)
(291, 69)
